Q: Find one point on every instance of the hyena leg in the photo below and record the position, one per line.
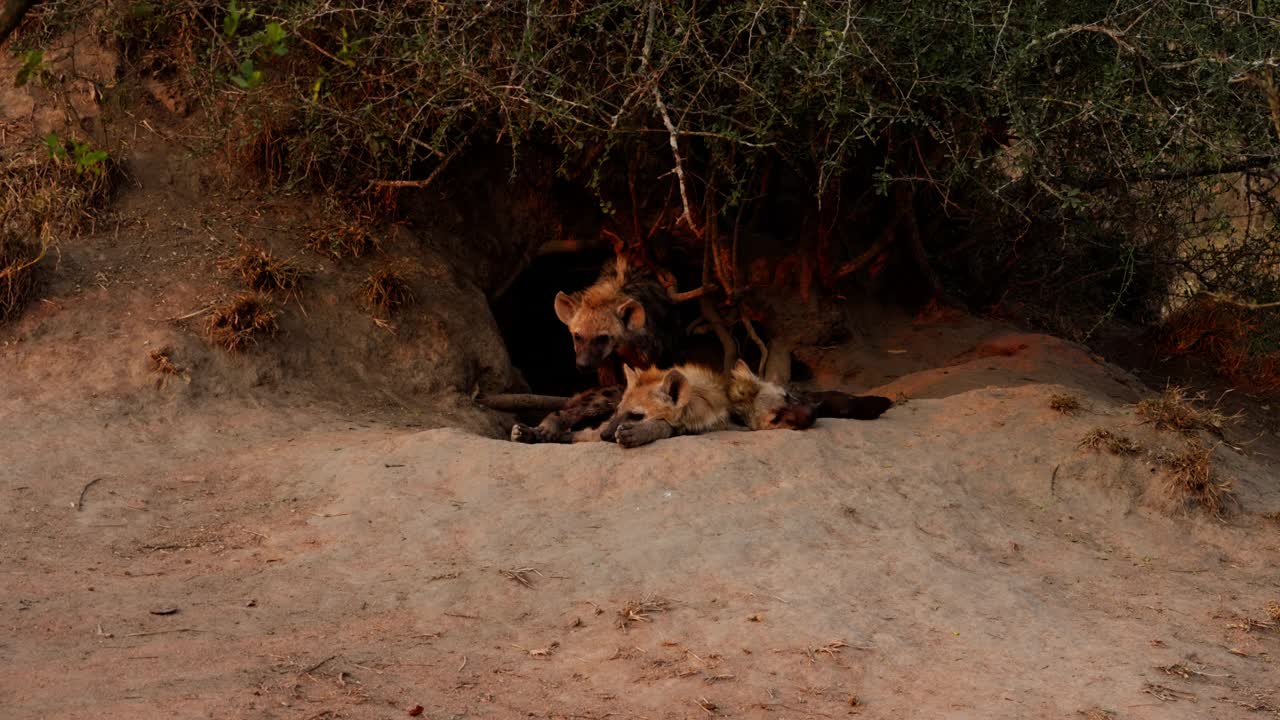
(636, 434)
(835, 404)
(582, 411)
(550, 430)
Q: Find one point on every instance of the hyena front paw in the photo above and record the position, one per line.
(630, 435)
(523, 434)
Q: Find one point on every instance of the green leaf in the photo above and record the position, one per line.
(31, 63)
(248, 76)
(56, 147)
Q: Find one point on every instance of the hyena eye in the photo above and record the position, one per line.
(634, 416)
(577, 338)
(601, 339)
(776, 418)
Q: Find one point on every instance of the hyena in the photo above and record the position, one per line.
(762, 405)
(657, 404)
(579, 421)
(627, 316)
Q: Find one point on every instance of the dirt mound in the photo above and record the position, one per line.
(962, 554)
(273, 534)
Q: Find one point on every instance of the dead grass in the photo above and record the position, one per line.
(262, 272)
(18, 265)
(162, 364)
(40, 198)
(386, 290)
(241, 322)
(37, 191)
(1237, 341)
(1065, 404)
(1192, 481)
(1248, 624)
(634, 611)
(1115, 443)
(350, 241)
(1175, 410)
(520, 575)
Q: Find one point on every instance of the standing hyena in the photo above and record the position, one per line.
(628, 317)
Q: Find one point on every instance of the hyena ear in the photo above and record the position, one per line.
(630, 374)
(741, 368)
(566, 306)
(676, 386)
(632, 315)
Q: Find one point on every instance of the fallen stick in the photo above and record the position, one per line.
(83, 490)
(522, 401)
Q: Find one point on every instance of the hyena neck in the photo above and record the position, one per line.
(640, 356)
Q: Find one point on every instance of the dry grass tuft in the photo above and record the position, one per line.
(1175, 410)
(634, 611)
(1115, 443)
(36, 190)
(386, 290)
(1248, 624)
(18, 262)
(1273, 611)
(351, 241)
(163, 365)
(241, 322)
(264, 273)
(1192, 481)
(1065, 404)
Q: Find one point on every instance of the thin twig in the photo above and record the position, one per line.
(1240, 303)
(83, 490)
(164, 632)
(755, 337)
(317, 665)
(420, 183)
(193, 313)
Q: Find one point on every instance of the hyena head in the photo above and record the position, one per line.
(763, 405)
(601, 320)
(651, 394)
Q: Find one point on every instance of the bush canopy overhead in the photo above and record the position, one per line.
(1033, 150)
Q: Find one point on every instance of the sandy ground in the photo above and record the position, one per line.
(318, 530)
(259, 557)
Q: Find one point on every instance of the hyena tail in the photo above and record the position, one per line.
(834, 404)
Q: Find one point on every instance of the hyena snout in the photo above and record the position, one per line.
(798, 417)
(593, 356)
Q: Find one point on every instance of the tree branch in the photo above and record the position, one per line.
(519, 401)
(1228, 300)
(1253, 163)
